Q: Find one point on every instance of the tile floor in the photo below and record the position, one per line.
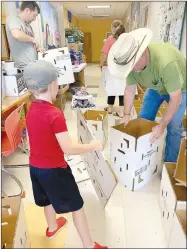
(130, 219)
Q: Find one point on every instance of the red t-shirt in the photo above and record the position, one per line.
(43, 121)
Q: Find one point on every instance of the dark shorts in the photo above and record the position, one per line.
(56, 187)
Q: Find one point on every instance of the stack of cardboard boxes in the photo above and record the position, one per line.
(173, 197)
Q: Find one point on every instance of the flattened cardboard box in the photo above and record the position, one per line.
(171, 196)
(101, 175)
(178, 231)
(14, 226)
(98, 123)
(181, 168)
(134, 159)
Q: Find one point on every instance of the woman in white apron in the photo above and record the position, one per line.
(114, 87)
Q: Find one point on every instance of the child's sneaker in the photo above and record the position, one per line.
(99, 246)
(61, 222)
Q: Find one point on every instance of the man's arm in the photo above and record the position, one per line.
(173, 82)
(129, 95)
(103, 59)
(173, 105)
(21, 36)
(15, 27)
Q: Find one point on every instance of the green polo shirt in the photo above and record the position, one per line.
(166, 71)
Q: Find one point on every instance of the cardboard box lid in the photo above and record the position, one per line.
(181, 215)
(185, 122)
(95, 115)
(136, 127)
(181, 169)
(9, 220)
(179, 191)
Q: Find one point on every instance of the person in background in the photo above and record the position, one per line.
(20, 35)
(113, 85)
(161, 68)
(54, 186)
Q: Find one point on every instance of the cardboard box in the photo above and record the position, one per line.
(181, 168)
(139, 96)
(134, 159)
(3, 86)
(98, 123)
(60, 58)
(137, 108)
(15, 85)
(185, 122)
(138, 102)
(178, 231)
(99, 170)
(13, 224)
(140, 89)
(171, 197)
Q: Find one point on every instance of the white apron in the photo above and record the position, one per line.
(112, 85)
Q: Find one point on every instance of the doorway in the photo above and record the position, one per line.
(88, 47)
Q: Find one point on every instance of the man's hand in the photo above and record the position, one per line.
(125, 120)
(35, 43)
(42, 50)
(157, 132)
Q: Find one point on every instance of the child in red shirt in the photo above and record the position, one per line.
(54, 186)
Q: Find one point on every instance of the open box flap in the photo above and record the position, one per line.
(9, 219)
(181, 215)
(136, 128)
(101, 196)
(101, 175)
(95, 125)
(181, 168)
(95, 115)
(179, 191)
(121, 140)
(81, 128)
(101, 170)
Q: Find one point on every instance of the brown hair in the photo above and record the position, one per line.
(32, 5)
(118, 28)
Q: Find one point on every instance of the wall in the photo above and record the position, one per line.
(66, 22)
(153, 11)
(98, 29)
(3, 15)
(183, 43)
(74, 20)
(61, 21)
(127, 19)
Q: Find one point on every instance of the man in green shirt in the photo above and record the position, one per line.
(161, 68)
